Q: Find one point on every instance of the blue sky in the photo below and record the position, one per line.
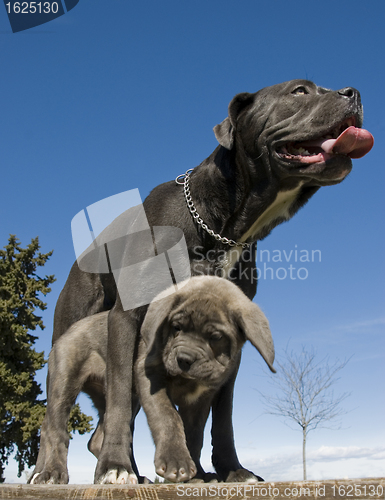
(117, 95)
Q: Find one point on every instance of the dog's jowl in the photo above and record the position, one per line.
(277, 147)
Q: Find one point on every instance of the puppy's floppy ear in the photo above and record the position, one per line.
(255, 327)
(224, 132)
(155, 318)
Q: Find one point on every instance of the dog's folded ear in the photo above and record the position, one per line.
(155, 318)
(224, 132)
(255, 327)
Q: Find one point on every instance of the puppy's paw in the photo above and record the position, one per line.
(115, 476)
(175, 465)
(54, 476)
(243, 476)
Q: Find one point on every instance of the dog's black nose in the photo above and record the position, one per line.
(185, 360)
(349, 92)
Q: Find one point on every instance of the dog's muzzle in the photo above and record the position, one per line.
(185, 360)
(344, 139)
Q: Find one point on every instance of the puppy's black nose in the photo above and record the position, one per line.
(349, 92)
(185, 360)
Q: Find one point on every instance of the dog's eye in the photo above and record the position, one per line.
(216, 336)
(176, 329)
(300, 91)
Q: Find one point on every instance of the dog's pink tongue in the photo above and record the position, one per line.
(353, 142)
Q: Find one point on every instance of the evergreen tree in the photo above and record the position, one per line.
(21, 412)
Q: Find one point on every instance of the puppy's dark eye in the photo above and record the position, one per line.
(216, 336)
(176, 329)
(300, 91)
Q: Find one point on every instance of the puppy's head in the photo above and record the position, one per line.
(198, 332)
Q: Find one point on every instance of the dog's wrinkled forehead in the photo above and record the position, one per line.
(292, 86)
(194, 312)
(286, 100)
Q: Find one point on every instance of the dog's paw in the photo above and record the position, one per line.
(175, 465)
(116, 476)
(243, 476)
(54, 476)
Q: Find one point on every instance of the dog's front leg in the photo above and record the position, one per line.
(224, 456)
(172, 458)
(114, 463)
(194, 416)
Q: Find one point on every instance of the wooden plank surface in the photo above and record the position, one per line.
(348, 489)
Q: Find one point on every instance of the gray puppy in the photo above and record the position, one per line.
(189, 348)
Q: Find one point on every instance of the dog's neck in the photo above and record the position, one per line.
(244, 204)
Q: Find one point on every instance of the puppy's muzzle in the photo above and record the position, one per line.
(185, 360)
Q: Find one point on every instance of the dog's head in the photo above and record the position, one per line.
(198, 332)
(298, 129)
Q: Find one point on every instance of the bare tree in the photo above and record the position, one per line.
(306, 394)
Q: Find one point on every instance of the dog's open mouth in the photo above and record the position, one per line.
(345, 139)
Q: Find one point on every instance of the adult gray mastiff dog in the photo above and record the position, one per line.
(277, 147)
(190, 346)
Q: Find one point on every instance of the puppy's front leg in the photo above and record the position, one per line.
(172, 458)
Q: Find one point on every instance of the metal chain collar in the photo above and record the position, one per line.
(184, 180)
